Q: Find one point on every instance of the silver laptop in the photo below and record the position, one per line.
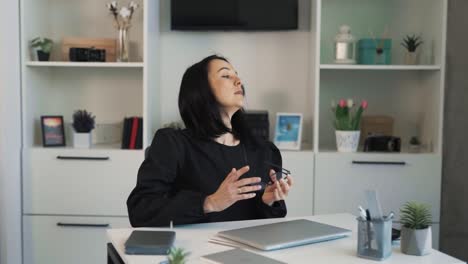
(285, 234)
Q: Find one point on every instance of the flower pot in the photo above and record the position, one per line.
(416, 242)
(414, 148)
(347, 141)
(411, 58)
(42, 56)
(82, 140)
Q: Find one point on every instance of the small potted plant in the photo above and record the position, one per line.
(411, 43)
(347, 122)
(177, 256)
(414, 145)
(416, 233)
(43, 47)
(83, 123)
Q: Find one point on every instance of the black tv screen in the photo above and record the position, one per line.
(234, 14)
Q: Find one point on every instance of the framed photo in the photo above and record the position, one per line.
(53, 134)
(288, 131)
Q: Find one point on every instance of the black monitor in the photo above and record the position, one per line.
(242, 15)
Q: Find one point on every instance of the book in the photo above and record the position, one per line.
(133, 133)
(236, 256)
(126, 133)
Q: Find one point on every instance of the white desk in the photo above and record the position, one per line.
(194, 239)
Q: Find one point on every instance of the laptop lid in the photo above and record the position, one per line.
(285, 234)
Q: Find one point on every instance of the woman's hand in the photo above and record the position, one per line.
(231, 190)
(278, 190)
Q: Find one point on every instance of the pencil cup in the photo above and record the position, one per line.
(374, 238)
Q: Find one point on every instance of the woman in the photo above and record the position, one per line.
(214, 169)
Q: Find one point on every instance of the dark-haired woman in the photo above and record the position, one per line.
(214, 169)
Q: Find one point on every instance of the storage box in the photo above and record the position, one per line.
(98, 43)
(375, 51)
(377, 124)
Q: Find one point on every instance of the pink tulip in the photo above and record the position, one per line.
(364, 104)
(342, 103)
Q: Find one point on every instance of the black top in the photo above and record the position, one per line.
(180, 171)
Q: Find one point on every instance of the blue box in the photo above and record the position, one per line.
(369, 54)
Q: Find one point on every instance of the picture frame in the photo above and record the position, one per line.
(288, 131)
(53, 132)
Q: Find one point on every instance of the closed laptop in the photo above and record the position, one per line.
(285, 234)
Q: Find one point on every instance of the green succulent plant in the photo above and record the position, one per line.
(42, 44)
(177, 256)
(415, 141)
(415, 215)
(83, 121)
(411, 43)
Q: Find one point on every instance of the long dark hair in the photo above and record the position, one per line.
(199, 109)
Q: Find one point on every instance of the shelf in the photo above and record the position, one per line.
(85, 64)
(381, 67)
(95, 147)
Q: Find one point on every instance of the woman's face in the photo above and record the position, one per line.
(226, 85)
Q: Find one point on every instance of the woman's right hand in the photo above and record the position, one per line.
(232, 190)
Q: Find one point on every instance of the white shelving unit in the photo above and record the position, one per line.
(82, 186)
(412, 94)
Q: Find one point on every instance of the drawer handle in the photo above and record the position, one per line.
(361, 162)
(81, 158)
(81, 225)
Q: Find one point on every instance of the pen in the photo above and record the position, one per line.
(362, 213)
(368, 217)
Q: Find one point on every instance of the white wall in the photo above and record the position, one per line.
(274, 66)
(10, 135)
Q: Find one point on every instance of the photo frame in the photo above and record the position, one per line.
(288, 131)
(53, 133)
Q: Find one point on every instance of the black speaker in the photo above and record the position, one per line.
(257, 121)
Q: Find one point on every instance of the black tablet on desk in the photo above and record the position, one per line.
(142, 242)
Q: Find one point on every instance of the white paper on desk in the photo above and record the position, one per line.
(236, 256)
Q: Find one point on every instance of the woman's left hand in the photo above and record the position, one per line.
(278, 190)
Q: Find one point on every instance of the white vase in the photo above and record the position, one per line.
(82, 140)
(347, 141)
(416, 242)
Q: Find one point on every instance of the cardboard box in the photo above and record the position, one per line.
(98, 43)
(382, 125)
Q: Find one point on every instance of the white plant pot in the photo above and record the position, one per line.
(347, 141)
(411, 58)
(82, 140)
(416, 242)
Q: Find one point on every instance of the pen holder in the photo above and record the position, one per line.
(374, 238)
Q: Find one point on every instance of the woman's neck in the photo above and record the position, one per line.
(227, 139)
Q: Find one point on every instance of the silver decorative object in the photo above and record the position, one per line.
(123, 45)
(345, 46)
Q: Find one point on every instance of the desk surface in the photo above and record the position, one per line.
(194, 238)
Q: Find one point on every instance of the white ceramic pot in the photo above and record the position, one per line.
(347, 141)
(411, 58)
(82, 140)
(416, 242)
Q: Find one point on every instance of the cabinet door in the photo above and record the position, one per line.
(58, 240)
(301, 165)
(79, 182)
(341, 180)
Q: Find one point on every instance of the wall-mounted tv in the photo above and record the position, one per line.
(234, 15)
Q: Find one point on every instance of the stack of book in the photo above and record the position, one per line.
(132, 134)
